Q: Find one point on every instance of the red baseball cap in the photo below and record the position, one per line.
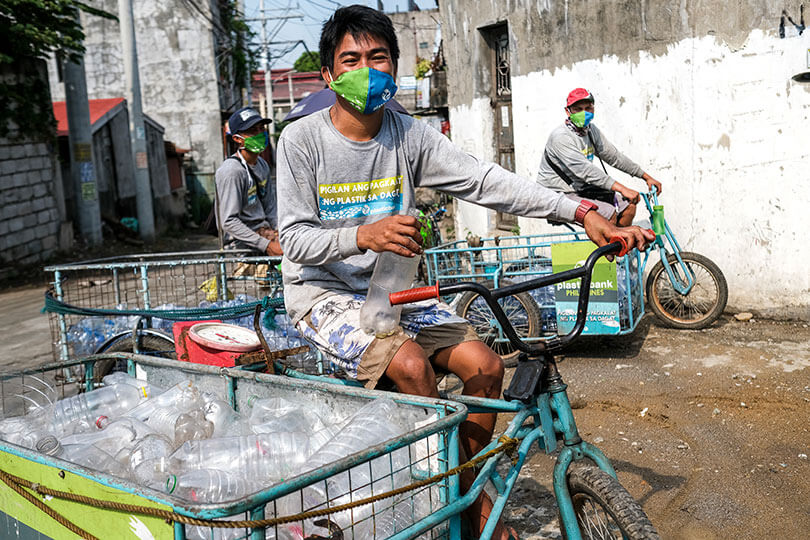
(578, 94)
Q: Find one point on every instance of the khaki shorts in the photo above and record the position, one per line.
(380, 352)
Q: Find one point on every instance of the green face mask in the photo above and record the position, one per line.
(257, 143)
(581, 119)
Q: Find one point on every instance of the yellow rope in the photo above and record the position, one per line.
(507, 444)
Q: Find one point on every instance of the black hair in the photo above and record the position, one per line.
(359, 21)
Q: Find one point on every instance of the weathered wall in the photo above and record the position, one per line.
(412, 45)
(177, 72)
(703, 101)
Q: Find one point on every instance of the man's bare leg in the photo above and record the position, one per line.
(481, 371)
(626, 217)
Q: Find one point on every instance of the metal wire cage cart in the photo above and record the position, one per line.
(150, 282)
(499, 261)
(429, 511)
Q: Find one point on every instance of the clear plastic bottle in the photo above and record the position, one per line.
(84, 409)
(184, 396)
(208, 486)
(392, 273)
(115, 436)
(371, 425)
(24, 431)
(192, 426)
(264, 457)
(148, 461)
(92, 457)
(119, 377)
(227, 422)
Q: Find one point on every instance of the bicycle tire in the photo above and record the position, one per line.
(151, 344)
(604, 509)
(473, 308)
(704, 303)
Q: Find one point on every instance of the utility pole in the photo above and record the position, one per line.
(137, 133)
(82, 170)
(268, 82)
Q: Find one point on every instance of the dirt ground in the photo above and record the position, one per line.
(707, 429)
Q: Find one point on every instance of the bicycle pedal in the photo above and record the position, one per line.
(525, 381)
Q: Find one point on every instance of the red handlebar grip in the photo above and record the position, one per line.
(414, 295)
(623, 242)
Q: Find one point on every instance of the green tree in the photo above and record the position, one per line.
(309, 61)
(32, 30)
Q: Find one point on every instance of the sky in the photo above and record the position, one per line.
(307, 29)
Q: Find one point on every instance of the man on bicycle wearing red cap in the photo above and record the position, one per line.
(567, 164)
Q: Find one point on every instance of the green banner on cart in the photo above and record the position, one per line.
(603, 309)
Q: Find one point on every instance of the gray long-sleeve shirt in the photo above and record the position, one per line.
(242, 211)
(329, 185)
(573, 154)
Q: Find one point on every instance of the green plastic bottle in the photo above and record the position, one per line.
(658, 220)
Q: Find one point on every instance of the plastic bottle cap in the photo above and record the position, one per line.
(658, 207)
(101, 422)
(173, 481)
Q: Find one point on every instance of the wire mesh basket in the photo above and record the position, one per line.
(430, 448)
(165, 281)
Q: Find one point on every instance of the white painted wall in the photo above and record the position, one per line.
(472, 131)
(726, 131)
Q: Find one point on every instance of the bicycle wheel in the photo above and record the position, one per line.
(604, 509)
(699, 308)
(520, 309)
(151, 344)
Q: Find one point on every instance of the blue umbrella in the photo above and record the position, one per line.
(326, 98)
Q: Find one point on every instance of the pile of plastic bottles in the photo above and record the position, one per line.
(195, 446)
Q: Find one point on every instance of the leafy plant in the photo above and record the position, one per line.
(422, 67)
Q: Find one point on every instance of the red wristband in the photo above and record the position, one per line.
(583, 208)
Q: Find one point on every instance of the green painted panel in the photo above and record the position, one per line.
(98, 522)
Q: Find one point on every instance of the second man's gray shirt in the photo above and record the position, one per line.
(329, 185)
(573, 154)
(242, 211)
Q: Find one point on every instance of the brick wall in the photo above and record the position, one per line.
(29, 219)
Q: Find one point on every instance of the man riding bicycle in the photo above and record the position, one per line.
(567, 164)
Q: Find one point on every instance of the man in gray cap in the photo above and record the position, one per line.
(246, 206)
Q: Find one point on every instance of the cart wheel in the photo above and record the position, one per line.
(520, 309)
(604, 509)
(698, 309)
(151, 344)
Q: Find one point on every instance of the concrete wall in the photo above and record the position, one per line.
(177, 71)
(30, 220)
(410, 45)
(699, 93)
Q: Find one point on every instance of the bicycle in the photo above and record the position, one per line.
(683, 289)
(592, 503)
(694, 293)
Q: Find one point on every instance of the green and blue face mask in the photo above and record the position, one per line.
(366, 88)
(257, 143)
(581, 119)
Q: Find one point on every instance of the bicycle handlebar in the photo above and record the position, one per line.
(617, 244)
